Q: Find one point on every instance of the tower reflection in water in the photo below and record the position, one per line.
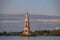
(26, 38)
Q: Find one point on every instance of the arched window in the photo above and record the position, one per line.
(26, 25)
(26, 21)
(25, 30)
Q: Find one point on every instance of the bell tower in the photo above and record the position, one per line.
(26, 26)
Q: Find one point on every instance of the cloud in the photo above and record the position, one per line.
(11, 21)
(49, 20)
(39, 20)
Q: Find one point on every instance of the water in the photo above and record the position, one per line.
(30, 38)
(16, 23)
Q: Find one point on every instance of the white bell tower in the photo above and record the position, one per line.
(26, 26)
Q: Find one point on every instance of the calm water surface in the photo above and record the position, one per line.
(30, 38)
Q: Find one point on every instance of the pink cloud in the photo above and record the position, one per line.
(49, 20)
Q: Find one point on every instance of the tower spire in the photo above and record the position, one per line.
(26, 25)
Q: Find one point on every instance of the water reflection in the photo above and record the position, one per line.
(26, 38)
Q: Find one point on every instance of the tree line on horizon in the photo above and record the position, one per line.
(35, 33)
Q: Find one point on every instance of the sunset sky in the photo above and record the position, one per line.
(38, 7)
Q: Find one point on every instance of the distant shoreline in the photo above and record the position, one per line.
(35, 33)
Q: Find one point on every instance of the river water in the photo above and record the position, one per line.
(30, 38)
(15, 23)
